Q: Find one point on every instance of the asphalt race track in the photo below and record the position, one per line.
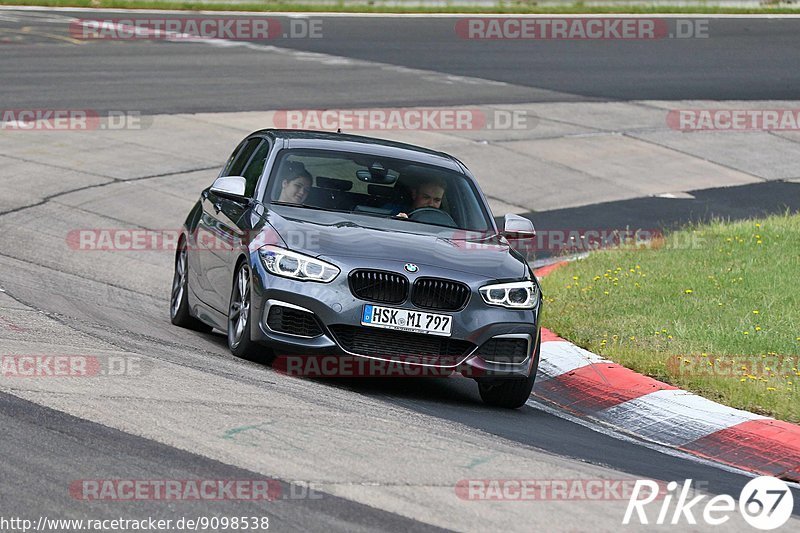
(741, 59)
(348, 455)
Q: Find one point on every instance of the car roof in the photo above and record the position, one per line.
(360, 144)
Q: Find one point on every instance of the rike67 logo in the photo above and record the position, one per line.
(765, 503)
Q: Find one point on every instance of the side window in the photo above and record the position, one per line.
(244, 156)
(226, 170)
(256, 166)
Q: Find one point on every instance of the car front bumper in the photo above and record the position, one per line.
(335, 307)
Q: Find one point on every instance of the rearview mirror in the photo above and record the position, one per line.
(518, 227)
(378, 174)
(229, 186)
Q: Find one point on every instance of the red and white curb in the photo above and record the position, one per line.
(588, 386)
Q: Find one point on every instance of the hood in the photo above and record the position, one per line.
(330, 235)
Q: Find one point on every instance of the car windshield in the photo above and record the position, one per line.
(377, 186)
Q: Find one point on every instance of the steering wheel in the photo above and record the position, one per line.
(432, 215)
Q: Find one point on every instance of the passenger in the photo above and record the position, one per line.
(296, 184)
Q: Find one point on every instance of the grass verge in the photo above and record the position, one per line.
(509, 7)
(714, 309)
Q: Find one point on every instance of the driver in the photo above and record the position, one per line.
(428, 193)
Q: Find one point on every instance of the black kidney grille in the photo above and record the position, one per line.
(401, 345)
(504, 350)
(442, 294)
(293, 321)
(379, 286)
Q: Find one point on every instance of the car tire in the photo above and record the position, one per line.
(510, 393)
(179, 312)
(239, 316)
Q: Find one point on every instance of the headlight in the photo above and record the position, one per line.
(517, 295)
(282, 262)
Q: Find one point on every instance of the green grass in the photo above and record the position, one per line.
(521, 7)
(714, 309)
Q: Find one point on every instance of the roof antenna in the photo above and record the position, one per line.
(338, 130)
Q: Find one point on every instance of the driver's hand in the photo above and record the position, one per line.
(401, 215)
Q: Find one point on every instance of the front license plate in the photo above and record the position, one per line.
(406, 320)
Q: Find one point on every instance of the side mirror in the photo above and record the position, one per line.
(231, 186)
(517, 227)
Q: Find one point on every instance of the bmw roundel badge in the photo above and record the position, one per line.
(411, 267)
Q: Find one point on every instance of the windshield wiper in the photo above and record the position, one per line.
(484, 236)
(377, 215)
(307, 206)
(330, 209)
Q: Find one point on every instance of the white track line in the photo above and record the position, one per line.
(615, 434)
(560, 357)
(673, 417)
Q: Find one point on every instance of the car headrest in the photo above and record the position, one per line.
(337, 184)
(380, 190)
